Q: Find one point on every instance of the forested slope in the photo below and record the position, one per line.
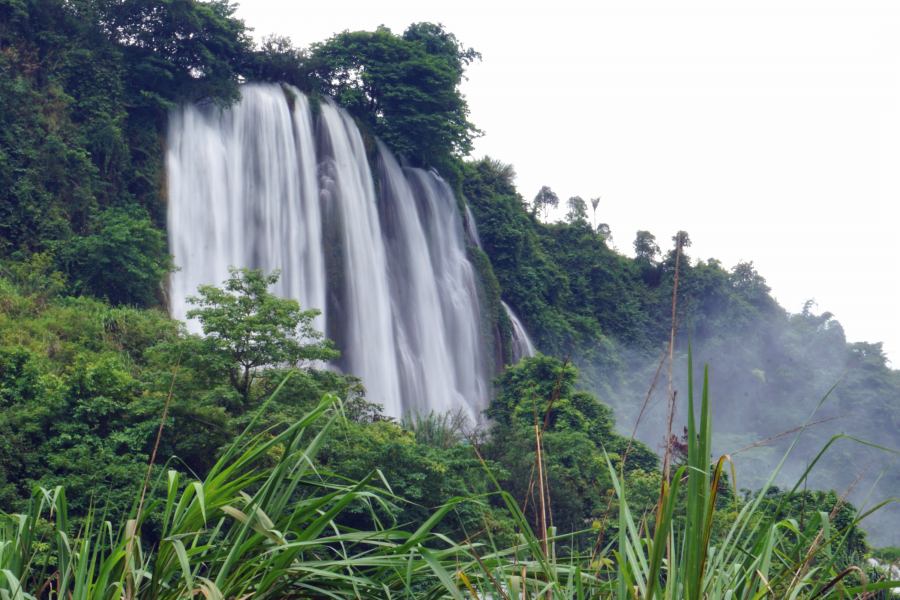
(85, 89)
(769, 368)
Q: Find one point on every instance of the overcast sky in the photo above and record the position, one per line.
(769, 131)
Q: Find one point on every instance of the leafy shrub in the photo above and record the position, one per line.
(124, 260)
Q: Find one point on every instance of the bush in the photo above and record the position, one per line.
(124, 260)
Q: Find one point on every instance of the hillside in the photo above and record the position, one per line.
(88, 351)
(769, 368)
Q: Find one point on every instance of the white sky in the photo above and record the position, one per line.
(770, 131)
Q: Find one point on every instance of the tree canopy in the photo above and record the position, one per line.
(248, 328)
(544, 200)
(86, 87)
(645, 246)
(406, 88)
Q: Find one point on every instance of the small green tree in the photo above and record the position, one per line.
(748, 283)
(681, 239)
(544, 200)
(576, 431)
(645, 247)
(577, 209)
(249, 328)
(605, 232)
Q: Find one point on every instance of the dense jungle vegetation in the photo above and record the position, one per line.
(613, 314)
(89, 357)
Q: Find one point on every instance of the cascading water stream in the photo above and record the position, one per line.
(521, 343)
(241, 190)
(422, 344)
(367, 336)
(456, 282)
(265, 185)
(472, 229)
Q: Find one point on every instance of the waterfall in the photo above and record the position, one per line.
(367, 337)
(522, 345)
(472, 229)
(268, 185)
(241, 188)
(456, 282)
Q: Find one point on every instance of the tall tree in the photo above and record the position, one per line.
(545, 199)
(595, 202)
(681, 239)
(577, 209)
(405, 88)
(604, 231)
(645, 247)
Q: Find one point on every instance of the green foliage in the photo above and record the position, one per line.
(579, 297)
(545, 200)
(405, 88)
(766, 550)
(84, 92)
(36, 277)
(83, 385)
(422, 475)
(266, 518)
(432, 429)
(439, 42)
(85, 88)
(645, 247)
(75, 409)
(576, 431)
(271, 528)
(123, 260)
(806, 506)
(560, 308)
(182, 50)
(889, 555)
(275, 60)
(248, 328)
(577, 209)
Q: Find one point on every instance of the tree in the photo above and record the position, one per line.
(748, 283)
(124, 260)
(248, 328)
(545, 199)
(604, 231)
(274, 59)
(405, 88)
(681, 239)
(577, 209)
(645, 247)
(442, 43)
(180, 49)
(595, 202)
(577, 432)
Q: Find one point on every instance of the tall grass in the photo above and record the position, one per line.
(247, 532)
